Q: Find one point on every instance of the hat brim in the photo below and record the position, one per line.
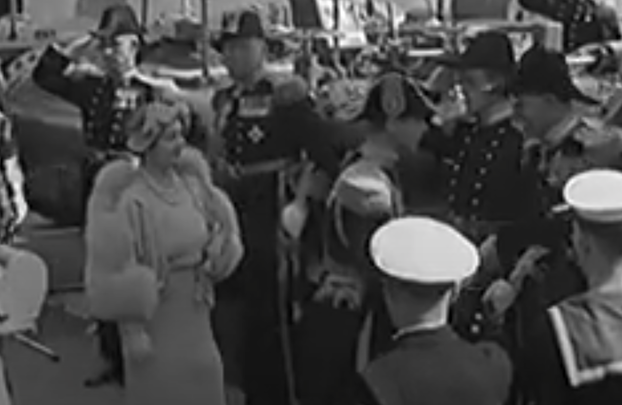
(458, 63)
(571, 92)
(108, 34)
(219, 42)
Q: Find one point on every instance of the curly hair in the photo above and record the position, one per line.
(145, 125)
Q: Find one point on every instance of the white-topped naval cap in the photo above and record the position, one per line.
(596, 195)
(424, 251)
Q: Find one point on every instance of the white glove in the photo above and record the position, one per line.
(488, 254)
(294, 217)
(500, 296)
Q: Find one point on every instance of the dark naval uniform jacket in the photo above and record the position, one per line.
(584, 21)
(574, 355)
(261, 131)
(486, 186)
(436, 367)
(104, 103)
(576, 144)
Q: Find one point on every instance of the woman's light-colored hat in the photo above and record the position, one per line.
(148, 122)
(423, 251)
(596, 195)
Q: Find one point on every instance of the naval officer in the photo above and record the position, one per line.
(264, 124)
(484, 149)
(565, 143)
(422, 261)
(106, 87)
(574, 355)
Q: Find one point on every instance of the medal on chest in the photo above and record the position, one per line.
(256, 134)
(126, 98)
(254, 106)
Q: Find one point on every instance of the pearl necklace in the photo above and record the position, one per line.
(171, 195)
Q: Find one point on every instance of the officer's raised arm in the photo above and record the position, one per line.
(57, 71)
(301, 128)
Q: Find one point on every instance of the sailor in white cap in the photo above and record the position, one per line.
(423, 260)
(575, 353)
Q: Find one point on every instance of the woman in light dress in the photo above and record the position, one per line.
(159, 236)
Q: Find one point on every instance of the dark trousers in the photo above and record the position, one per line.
(248, 323)
(326, 343)
(110, 347)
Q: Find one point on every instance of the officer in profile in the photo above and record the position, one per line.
(574, 355)
(423, 261)
(561, 142)
(547, 101)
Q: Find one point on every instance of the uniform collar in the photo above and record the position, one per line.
(420, 329)
(561, 130)
(497, 113)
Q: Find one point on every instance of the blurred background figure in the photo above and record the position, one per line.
(584, 21)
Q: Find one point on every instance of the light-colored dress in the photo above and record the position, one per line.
(185, 368)
(153, 257)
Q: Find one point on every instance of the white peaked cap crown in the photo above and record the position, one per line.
(596, 195)
(424, 251)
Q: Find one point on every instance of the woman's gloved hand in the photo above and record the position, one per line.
(341, 291)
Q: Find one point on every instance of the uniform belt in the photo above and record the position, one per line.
(255, 169)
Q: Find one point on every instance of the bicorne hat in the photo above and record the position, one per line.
(490, 51)
(238, 25)
(395, 96)
(118, 20)
(543, 71)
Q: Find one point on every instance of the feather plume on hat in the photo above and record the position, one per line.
(365, 189)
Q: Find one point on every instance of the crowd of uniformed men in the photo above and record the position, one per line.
(401, 258)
